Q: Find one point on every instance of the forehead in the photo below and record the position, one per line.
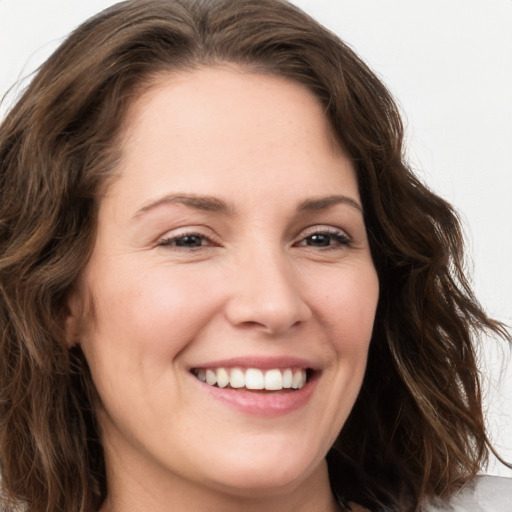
(193, 128)
(203, 96)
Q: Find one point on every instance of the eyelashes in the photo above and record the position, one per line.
(318, 238)
(323, 238)
(186, 241)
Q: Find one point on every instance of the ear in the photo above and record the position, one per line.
(73, 318)
(71, 331)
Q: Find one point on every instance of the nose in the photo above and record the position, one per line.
(265, 294)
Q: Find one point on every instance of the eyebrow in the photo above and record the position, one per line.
(204, 203)
(322, 203)
(216, 205)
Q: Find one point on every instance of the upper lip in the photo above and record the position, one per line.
(260, 362)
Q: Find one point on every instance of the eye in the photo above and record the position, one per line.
(186, 241)
(325, 239)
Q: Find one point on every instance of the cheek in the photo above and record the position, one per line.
(142, 324)
(149, 315)
(346, 311)
(347, 308)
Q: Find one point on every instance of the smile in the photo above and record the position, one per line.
(253, 379)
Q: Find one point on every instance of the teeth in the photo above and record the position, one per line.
(211, 377)
(222, 377)
(273, 380)
(253, 378)
(299, 379)
(287, 378)
(237, 378)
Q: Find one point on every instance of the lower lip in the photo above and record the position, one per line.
(269, 404)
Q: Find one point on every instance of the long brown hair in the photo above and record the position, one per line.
(417, 428)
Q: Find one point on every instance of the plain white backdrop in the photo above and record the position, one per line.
(449, 65)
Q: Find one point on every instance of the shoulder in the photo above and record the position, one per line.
(483, 494)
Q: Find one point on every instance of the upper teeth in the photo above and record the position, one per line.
(253, 378)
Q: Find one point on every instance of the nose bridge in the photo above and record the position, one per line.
(265, 292)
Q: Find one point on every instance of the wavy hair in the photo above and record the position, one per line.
(416, 430)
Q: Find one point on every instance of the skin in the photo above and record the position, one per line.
(258, 283)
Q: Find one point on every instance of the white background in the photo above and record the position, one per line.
(449, 64)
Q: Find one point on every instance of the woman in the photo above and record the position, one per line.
(222, 288)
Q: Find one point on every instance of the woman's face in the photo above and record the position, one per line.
(231, 247)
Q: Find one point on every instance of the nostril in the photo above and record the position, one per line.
(250, 324)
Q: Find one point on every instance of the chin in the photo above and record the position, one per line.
(266, 472)
(255, 483)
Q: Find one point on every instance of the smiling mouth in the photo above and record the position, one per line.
(254, 379)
